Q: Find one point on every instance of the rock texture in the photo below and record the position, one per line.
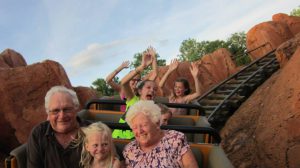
(265, 132)
(272, 34)
(214, 68)
(23, 89)
(285, 51)
(22, 102)
(293, 22)
(84, 94)
(11, 59)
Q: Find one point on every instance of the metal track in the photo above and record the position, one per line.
(221, 101)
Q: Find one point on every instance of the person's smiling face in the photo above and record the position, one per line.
(62, 113)
(179, 89)
(98, 146)
(144, 130)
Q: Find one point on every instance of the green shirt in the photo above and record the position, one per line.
(125, 134)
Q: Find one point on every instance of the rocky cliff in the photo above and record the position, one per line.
(264, 131)
(272, 34)
(23, 88)
(213, 67)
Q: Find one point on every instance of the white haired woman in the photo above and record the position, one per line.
(152, 146)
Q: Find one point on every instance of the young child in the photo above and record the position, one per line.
(166, 114)
(181, 91)
(117, 87)
(98, 149)
(145, 90)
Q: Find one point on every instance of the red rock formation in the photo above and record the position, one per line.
(23, 90)
(22, 102)
(214, 68)
(285, 51)
(11, 59)
(293, 22)
(272, 33)
(84, 94)
(265, 132)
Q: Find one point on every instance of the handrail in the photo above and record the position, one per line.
(122, 102)
(253, 49)
(185, 129)
(259, 47)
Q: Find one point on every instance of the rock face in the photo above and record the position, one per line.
(265, 132)
(84, 94)
(11, 59)
(22, 103)
(214, 68)
(272, 34)
(285, 51)
(293, 22)
(23, 90)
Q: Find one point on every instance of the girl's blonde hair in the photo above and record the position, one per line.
(86, 158)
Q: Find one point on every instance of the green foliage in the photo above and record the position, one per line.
(137, 59)
(236, 44)
(191, 50)
(102, 88)
(295, 12)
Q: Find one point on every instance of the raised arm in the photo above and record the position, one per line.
(173, 66)
(152, 52)
(195, 72)
(110, 77)
(146, 61)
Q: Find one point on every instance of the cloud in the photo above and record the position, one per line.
(97, 54)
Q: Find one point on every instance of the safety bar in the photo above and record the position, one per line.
(122, 102)
(184, 129)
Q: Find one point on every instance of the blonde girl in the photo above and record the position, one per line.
(98, 149)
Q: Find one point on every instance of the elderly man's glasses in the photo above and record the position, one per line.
(64, 110)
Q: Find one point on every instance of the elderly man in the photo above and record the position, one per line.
(50, 143)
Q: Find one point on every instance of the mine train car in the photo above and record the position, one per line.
(204, 140)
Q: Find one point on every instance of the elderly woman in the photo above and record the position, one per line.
(152, 146)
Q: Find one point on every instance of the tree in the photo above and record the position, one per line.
(102, 88)
(191, 50)
(295, 12)
(236, 44)
(137, 59)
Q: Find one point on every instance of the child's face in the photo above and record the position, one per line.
(98, 146)
(179, 89)
(164, 119)
(148, 92)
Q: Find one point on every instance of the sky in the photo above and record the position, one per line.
(91, 38)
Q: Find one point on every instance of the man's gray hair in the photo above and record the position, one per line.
(146, 107)
(61, 89)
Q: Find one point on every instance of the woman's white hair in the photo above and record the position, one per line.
(61, 89)
(146, 107)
